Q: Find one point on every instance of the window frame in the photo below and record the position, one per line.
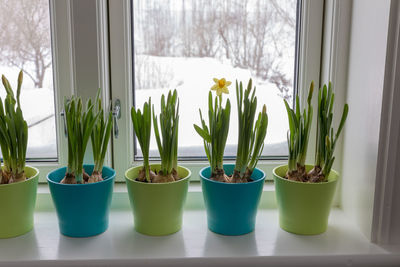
(121, 70)
(60, 27)
(65, 69)
(60, 52)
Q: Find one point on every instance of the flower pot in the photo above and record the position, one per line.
(82, 209)
(231, 208)
(157, 208)
(304, 207)
(17, 204)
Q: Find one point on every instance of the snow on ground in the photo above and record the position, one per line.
(193, 78)
(38, 108)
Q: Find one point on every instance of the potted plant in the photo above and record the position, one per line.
(82, 202)
(157, 192)
(18, 182)
(232, 191)
(304, 192)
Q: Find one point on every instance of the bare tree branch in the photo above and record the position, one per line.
(25, 37)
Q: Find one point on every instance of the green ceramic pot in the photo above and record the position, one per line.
(157, 208)
(17, 204)
(304, 207)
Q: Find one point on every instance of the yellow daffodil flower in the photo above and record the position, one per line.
(221, 86)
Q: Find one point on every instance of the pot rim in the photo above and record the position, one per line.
(91, 184)
(302, 183)
(231, 184)
(26, 180)
(156, 184)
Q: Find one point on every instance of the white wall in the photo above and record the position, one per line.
(366, 65)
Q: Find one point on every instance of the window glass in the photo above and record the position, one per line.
(25, 43)
(184, 44)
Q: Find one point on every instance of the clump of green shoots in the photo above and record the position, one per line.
(326, 138)
(167, 141)
(141, 121)
(251, 135)
(13, 135)
(79, 123)
(100, 138)
(299, 129)
(216, 133)
(298, 137)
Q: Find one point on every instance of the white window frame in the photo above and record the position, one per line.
(60, 26)
(121, 77)
(386, 213)
(334, 67)
(66, 51)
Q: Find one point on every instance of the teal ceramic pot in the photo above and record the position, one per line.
(82, 209)
(231, 208)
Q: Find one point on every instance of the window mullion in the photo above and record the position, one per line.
(310, 58)
(121, 81)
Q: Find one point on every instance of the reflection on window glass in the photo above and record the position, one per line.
(25, 43)
(185, 44)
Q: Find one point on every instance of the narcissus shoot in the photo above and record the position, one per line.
(298, 137)
(80, 122)
(251, 134)
(215, 133)
(167, 137)
(326, 138)
(13, 134)
(141, 120)
(100, 138)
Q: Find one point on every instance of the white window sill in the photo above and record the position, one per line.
(342, 245)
